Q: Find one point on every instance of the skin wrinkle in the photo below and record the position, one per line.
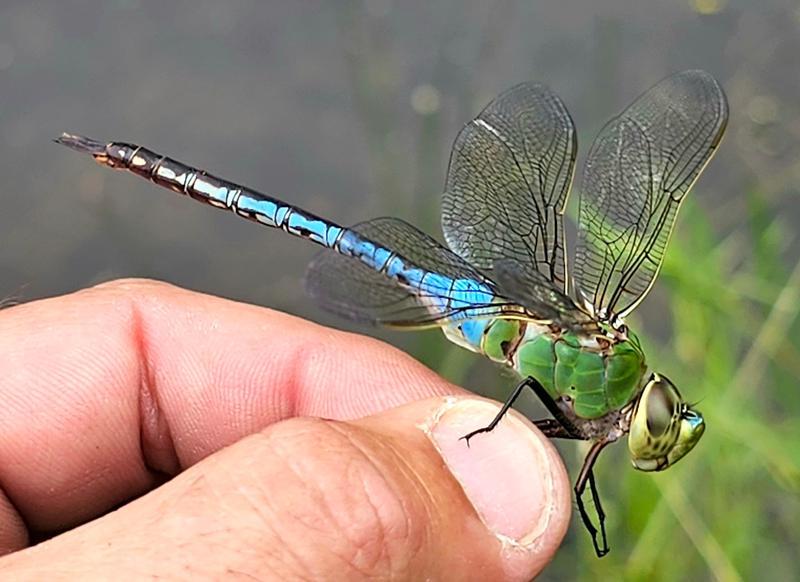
(206, 489)
(311, 360)
(294, 394)
(420, 488)
(376, 529)
(274, 446)
(268, 514)
(304, 364)
(14, 533)
(240, 573)
(149, 404)
(383, 539)
(333, 515)
(159, 431)
(361, 548)
(291, 560)
(5, 499)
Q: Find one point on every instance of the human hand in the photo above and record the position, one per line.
(135, 387)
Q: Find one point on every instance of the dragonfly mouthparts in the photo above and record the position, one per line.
(81, 143)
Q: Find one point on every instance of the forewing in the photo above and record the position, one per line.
(530, 288)
(437, 287)
(639, 170)
(510, 172)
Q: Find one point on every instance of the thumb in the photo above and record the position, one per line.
(392, 496)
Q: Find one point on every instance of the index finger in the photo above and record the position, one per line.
(107, 390)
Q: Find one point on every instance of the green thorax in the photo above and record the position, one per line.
(597, 373)
(598, 376)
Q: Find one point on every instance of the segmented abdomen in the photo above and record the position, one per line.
(439, 293)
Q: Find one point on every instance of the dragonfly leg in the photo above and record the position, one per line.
(528, 382)
(561, 427)
(552, 407)
(601, 515)
(587, 476)
(551, 427)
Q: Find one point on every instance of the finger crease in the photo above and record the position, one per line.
(155, 437)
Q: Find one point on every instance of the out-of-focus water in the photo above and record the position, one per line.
(345, 108)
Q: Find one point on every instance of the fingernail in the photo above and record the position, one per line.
(507, 474)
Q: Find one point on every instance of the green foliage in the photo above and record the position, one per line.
(730, 510)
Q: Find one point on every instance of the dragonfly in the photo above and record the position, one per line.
(501, 287)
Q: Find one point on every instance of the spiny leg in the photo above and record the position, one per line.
(552, 408)
(587, 476)
(587, 522)
(601, 515)
(561, 427)
(528, 382)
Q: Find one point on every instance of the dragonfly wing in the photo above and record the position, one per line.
(510, 172)
(530, 287)
(638, 172)
(437, 287)
(354, 291)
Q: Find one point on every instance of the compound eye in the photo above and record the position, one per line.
(663, 403)
(660, 419)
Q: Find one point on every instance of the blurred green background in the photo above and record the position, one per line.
(348, 109)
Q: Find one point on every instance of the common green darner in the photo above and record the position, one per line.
(501, 289)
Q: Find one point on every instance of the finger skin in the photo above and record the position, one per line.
(110, 390)
(305, 499)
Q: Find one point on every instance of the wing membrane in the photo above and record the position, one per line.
(437, 287)
(510, 172)
(639, 170)
(353, 289)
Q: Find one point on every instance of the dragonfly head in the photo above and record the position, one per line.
(663, 426)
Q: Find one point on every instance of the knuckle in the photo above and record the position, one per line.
(132, 286)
